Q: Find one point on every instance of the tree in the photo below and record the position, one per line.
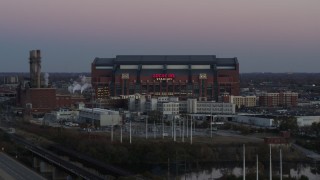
(154, 116)
(316, 128)
(288, 123)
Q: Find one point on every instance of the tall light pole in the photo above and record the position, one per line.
(270, 172)
(147, 126)
(121, 133)
(112, 130)
(162, 127)
(172, 126)
(211, 119)
(180, 127)
(187, 126)
(130, 132)
(92, 94)
(257, 167)
(174, 129)
(280, 164)
(244, 162)
(211, 125)
(191, 129)
(183, 129)
(154, 129)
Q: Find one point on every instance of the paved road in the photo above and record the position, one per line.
(12, 169)
(307, 152)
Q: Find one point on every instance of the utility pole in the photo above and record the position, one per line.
(168, 168)
(270, 173)
(211, 119)
(112, 129)
(174, 129)
(130, 132)
(162, 127)
(211, 125)
(180, 127)
(257, 167)
(191, 129)
(147, 127)
(280, 164)
(92, 95)
(171, 127)
(244, 162)
(154, 129)
(183, 129)
(121, 133)
(187, 126)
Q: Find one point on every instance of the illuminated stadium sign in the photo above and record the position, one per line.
(163, 77)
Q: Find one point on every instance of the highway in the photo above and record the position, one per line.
(81, 172)
(11, 169)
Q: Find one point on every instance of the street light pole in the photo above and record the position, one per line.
(147, 127)
(257, 167)
(270, 172)
(174, 129)
(187, 126)
(92, 109)
(121, 133)
(130, 131)
(112, 130)
(154, 129)
(162, 127)
(244, 162)
(183, 130)
(280, 164)
(191, 130)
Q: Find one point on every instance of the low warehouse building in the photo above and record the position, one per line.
(254, 121)
(307, 120)
(100, 117)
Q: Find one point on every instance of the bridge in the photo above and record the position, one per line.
(57, 161)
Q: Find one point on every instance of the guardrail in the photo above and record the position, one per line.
(83, 173)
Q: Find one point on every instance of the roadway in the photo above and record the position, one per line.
(56, 160)
(312, 155)
(10, 169)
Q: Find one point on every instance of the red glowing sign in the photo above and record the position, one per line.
(163, 76)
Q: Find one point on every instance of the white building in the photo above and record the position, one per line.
(255, 121)
(136, 102)
(65, 114)
(307, 120)
(169, 108)
(206, 107)
(152, 104)
(101, 117)
(172, 105)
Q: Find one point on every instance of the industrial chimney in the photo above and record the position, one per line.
(35, 68)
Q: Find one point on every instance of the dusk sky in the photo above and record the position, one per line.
(265, 36)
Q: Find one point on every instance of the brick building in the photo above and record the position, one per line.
(42, 100)
(35, 97)
(287, 99)
(182, 76)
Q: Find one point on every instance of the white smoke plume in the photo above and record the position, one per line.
(83, 79)
(70, 89)
(46, 79)
(76, 88)
(81, 85)
(85, 86)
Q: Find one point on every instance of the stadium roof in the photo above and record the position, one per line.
(165, 59)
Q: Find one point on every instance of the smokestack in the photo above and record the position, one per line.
(35, 68)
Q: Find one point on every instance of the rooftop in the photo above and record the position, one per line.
(165, 59)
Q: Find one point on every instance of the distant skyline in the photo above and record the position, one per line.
(265, 36)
